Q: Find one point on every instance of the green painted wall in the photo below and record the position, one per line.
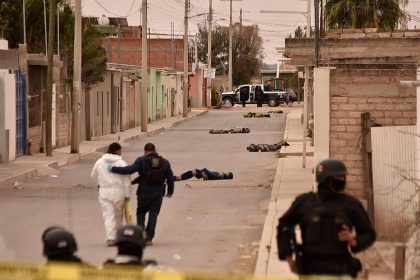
(152, 95)
(159, 97)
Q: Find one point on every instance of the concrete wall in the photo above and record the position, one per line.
(131, 104)
(160, 88)
(151, 96)
(198, 89)
(195, 97)
(9, 59)
(301, 50)
(321, 113)
(7, 116)
(100, 107)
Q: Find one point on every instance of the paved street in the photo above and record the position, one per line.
(207, 226)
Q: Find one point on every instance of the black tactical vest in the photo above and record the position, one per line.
(154, 174)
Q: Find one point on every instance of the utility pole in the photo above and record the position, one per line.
(240, 17)
(77, 76)
(230, 44)
(48, 95)
(185, 91)
(144, 66)
(316, 3)
(308, 19)
(58, 30)
(307, 75)
(306, 89)
(24, 21)
(45, 28)
(230, 47)
(209, 34)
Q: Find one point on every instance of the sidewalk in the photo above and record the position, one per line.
(25, 168)
(291, 179)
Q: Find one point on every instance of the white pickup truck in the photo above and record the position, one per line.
(272, 97)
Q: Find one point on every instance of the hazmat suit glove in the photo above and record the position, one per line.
(109, 168)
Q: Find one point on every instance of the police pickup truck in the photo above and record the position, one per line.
(272, 97)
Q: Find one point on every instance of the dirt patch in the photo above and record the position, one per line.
(247, 260)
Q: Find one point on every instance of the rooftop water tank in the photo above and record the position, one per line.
(4, 44)
(103, 20)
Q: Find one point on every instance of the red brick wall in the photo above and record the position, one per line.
(355, 91)
(160, 52)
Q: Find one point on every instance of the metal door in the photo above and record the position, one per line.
(20, 113)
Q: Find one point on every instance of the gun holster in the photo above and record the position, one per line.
(136, 181)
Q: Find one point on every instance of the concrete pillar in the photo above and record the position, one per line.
(321, 114)
(7, 116)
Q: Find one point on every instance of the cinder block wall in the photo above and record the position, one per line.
(377, 91)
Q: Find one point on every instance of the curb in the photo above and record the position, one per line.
(22, 177)
(25, 175)
(267, 233)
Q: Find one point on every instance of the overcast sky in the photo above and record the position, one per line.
(273, 27)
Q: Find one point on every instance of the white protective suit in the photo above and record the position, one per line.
(113, 189)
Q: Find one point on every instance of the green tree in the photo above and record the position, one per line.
(93, 57)
(247, 51)
(219, 47)
(382, 14)
(11, 24)
(11, 21)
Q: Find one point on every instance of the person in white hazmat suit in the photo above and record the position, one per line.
(114, 190)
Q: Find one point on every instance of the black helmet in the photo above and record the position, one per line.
(328, 168)
(131, 234)
(47, 230)
(59, 241)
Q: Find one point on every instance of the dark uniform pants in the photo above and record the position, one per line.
(326, 266)
(149, 203)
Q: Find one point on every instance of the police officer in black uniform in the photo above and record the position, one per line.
(327, 220)
(130, 242)
(154, 170)
(59, 245)
(244, 94)
(259, 95)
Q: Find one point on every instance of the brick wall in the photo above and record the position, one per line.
(161, 52)
(377, 91)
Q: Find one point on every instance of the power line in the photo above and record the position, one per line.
(131, 7)
(117, 15)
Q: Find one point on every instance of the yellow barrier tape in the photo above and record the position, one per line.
(60, 271)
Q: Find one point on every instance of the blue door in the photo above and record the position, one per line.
(20, 113)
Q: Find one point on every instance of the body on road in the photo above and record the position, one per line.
(204, 174)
